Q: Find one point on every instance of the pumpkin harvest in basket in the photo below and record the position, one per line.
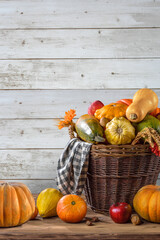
(17, 204)
(134, 115)
(114, 161)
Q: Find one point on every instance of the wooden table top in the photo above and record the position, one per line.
(54, 228)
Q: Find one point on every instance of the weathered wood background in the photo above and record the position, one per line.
(56, 55)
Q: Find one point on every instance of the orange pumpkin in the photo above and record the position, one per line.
(34, 214)
(71, 208)
(125, 101)
(112, 110)
(17, 204)
(147, 203)
(155, 112)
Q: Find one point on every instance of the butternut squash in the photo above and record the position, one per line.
(144, 101)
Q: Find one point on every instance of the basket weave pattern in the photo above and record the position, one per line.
(117, 172)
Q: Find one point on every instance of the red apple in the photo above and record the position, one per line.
(94, 106)
(120, 212)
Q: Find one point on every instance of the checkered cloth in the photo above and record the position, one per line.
(73, 166)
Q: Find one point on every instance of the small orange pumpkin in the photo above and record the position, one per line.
(125, 101)
(111, 110)
(34, 214)
(155, 112)
(71, 208)
(17, 204)
(147, 203)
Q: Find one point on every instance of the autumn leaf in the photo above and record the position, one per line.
(67, 119)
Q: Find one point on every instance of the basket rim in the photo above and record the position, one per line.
(123, 146)
(102, 150)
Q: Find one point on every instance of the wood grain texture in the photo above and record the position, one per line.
(79, 74)
(41, 236)
(32, 133)
(50, 103)
(55, 228)
(32, 164)
(54, 54)
(29, 164)
(79, 14)
(80, 43)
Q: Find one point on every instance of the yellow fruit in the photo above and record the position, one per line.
(119, 131)
(47, 202)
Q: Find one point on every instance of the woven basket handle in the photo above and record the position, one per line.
(71, 131)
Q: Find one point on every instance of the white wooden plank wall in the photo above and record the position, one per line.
(56, 55)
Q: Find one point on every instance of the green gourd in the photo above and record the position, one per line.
(89, 129)
(148, 121)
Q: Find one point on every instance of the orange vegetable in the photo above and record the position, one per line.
(147, 203)
(155, 112)
(144, 101)
(111, 110)
(125, 101)
(71, 208)
(17, 204)
(34, 214)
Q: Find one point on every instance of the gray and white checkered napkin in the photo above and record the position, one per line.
(73, 166)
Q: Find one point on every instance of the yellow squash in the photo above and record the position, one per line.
(144, 101)
(47, 202)
(119, 131)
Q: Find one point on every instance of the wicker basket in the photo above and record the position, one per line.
(117, 172)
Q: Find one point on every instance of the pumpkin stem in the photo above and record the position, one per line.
(73, 202)
(133, 116)
(99, 139)
(5, 183)
(119, 130)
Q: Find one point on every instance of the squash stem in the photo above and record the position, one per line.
(133, 116)
(99, 139)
